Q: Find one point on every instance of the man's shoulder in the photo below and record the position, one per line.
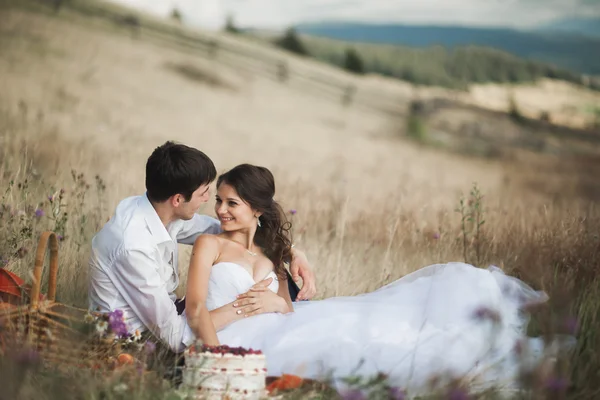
(127, 229)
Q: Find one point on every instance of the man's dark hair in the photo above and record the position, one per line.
(175, 168)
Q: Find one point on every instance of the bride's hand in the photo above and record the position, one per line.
(258, 300)
(262, 284)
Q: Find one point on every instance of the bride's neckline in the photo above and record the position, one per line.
(245, 270)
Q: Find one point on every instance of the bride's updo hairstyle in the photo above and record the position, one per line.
(256, 186)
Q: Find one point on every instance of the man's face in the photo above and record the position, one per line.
(186, 209)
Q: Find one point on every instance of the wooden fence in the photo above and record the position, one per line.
(251, 58)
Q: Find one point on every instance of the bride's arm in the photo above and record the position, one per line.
(225, 315)
(204, 253)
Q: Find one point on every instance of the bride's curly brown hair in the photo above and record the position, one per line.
(256, 186)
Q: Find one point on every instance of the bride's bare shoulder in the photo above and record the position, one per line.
(207, 248)
(206, 240)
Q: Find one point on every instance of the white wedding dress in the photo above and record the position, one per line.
(448, 320)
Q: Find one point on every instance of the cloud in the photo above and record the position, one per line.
(281, 13)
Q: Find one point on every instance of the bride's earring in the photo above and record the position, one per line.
(258, 221)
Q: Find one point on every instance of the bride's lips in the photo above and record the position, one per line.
(225, 219)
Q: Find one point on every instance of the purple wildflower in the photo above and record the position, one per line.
(518, 348)
(117, 324)
(457, 394)
(60, 238)
(556, 384)
(149, 347)
(22, 252)
(571, 325)
(51, 198)
(436, 235)
(39, 213)
(3, 261)
(27, 357)
(113, 319)
(395, 393)
(119, 328)
(293, 212)
(354, 394)
(486, 313)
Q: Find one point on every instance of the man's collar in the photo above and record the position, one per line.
(159, 232)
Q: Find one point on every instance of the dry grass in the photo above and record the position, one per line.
(370, 209)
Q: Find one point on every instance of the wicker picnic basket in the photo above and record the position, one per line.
(57, 333)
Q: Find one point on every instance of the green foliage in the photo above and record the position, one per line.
(176, 15)
(471, 222)
(230, 25)
(354, 62)
(415, 128)
(291, 42)
(58, 4)
(415, 123)
(438, 66)
(596, 123)
(513, 110)
(545, 116)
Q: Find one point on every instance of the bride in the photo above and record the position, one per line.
(447, 320)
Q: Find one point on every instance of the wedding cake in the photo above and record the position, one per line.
(216, 372)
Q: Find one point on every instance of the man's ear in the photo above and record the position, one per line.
(176, 200)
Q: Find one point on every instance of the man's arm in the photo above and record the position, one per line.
(300, 268)
(196, 226)
(138, 281)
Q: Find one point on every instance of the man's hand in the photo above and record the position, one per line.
(300, 268)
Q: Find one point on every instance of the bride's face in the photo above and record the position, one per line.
(232, 211)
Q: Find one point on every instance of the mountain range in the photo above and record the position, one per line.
(583, 26)
(571, 44)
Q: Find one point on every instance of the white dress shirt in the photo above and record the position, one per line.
(133, 267)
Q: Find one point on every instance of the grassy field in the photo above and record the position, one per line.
(83, 106)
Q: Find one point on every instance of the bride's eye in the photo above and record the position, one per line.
(232, 204)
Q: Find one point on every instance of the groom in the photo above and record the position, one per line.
(133, 265)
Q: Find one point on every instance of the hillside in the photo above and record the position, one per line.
(88, 93)
(573, 52)
(589, 26)
(437, 66)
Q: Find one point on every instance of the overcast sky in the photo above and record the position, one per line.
(282, 13)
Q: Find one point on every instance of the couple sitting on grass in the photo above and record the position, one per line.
(446, 320)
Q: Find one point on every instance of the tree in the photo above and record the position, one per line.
(176, 15)
(513, 109)
(230, 25)
(291, 42)
(58, 5)
(354, 62)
